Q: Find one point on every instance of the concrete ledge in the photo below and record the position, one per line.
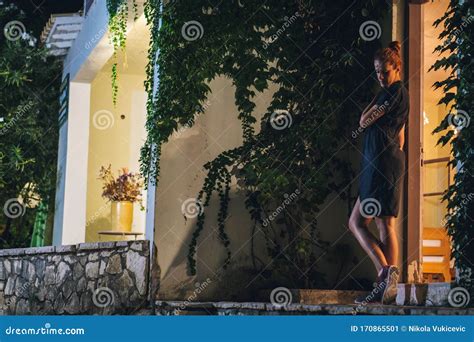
(91, 246)
(260, 308)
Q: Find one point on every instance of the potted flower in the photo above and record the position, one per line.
(123, 191)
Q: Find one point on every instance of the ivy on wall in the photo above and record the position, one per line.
(457, 37)
(118, 16)
(313, 51)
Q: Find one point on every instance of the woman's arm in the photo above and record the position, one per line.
(370, 116)
(370, 105)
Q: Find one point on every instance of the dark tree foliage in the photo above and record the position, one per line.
(29, 81)
(458, 49)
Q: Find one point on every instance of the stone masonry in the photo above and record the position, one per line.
(88, 278)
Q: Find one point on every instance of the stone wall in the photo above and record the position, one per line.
(89, 278)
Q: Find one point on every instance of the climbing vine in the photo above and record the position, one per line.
(313, 52)
(118, 16)
(457, 50)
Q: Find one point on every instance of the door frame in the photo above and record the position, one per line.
(414, 179)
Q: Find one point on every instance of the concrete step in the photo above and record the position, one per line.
(169, 308)
(429, 294)
(316, 297)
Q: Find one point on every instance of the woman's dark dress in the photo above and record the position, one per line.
(383, 163)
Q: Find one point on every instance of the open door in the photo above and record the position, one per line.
(427, 243)
(436, 174)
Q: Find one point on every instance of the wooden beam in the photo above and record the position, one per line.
(413, 240)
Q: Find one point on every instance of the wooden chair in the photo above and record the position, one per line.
(436, 243)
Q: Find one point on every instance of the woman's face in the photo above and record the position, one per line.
(386, 73)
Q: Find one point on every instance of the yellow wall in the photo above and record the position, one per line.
(114, 141)
(182, 176)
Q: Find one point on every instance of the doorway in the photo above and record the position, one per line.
(436, 175)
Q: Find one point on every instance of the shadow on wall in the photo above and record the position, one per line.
(181, 178)
(244, 281)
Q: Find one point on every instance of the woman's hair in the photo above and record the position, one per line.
(390, 54)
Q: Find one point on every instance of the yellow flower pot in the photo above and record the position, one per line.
(122, 216)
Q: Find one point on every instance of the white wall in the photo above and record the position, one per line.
(70, 214)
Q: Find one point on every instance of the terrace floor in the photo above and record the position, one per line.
(260, 308)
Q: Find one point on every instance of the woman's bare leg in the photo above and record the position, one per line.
(389, 238)
(358, 225)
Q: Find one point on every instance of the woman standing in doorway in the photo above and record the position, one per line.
(381, 179)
